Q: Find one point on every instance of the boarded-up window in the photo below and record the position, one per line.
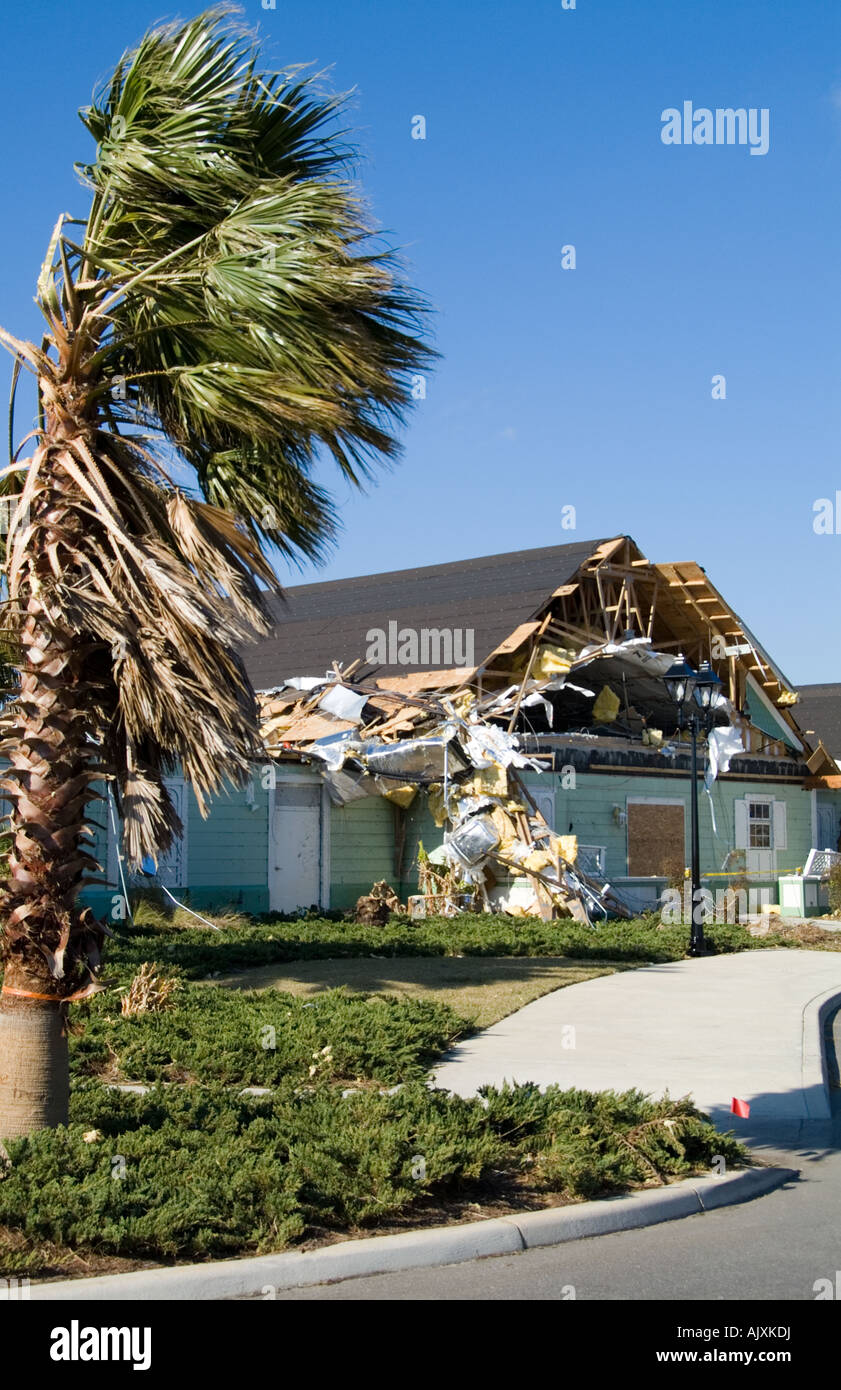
(655, 840)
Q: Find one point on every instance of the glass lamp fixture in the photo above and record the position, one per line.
(680, 680)
(707, 685)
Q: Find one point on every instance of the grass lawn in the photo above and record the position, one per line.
(479, 988)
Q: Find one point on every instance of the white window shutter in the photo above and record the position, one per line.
(780, 832)
(740, 817)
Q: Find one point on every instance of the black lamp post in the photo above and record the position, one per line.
(692, 693)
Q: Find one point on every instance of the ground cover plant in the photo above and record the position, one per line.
(192, 1172)
(346, 1135)
(263, 1039)
(245, 942)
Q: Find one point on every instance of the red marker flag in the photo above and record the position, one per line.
(740, 1108)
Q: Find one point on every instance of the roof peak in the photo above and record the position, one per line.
(546, 552)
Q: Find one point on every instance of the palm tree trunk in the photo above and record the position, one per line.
(34, 1084)
(47, 939)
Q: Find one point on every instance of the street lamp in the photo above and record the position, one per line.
(693, 694)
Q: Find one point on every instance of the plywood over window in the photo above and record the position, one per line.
(655, 840)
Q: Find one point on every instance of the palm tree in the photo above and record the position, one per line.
(220, 320)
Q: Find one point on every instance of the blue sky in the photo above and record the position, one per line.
(589, 387)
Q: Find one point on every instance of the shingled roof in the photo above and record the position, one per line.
(818, 712)
(317, 624)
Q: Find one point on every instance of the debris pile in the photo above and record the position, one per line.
(443, 891)
(583, 666)
(429, 732)
(374, 908)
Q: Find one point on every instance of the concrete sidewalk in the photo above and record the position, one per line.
(746, 1025)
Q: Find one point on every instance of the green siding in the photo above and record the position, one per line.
(363, 834)
(832, 800)
(588, 810)
(100, 897)
(420, 829)
(227, 854)
(762, 718)
(361, 848)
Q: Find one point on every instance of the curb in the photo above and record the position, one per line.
(814, 1069)
(265, 1275)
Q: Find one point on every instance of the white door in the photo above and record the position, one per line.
(760, 863)
(827, 828)
(172, 866)
(760, 831)
(171, 869)
(295, 847)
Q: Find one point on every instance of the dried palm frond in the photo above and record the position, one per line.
(148, 993)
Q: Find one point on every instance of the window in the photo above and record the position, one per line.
(591, 860)
(760, 828)
(759, 825)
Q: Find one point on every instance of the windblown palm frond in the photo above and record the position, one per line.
(224, 309)
(246, 308)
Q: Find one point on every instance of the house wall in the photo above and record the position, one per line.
(362, 848)
(227, 855)
(587, 811)
(587, 805)
(830, 803)
(420, 830)
(99, 897)
(770, 721)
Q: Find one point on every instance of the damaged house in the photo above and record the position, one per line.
(508, 713)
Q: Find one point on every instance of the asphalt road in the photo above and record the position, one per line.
(776, 1247)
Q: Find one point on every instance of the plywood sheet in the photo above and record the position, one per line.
(656, 841)
(417, 681)
(517, 638)
(313, 726)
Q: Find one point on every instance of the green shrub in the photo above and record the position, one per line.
(195, 1172)
(835, 890)
(200, 1178)
(198, 1170)
(583, 1142)
(201, 952)
(260, 1039)
(202, 1171)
